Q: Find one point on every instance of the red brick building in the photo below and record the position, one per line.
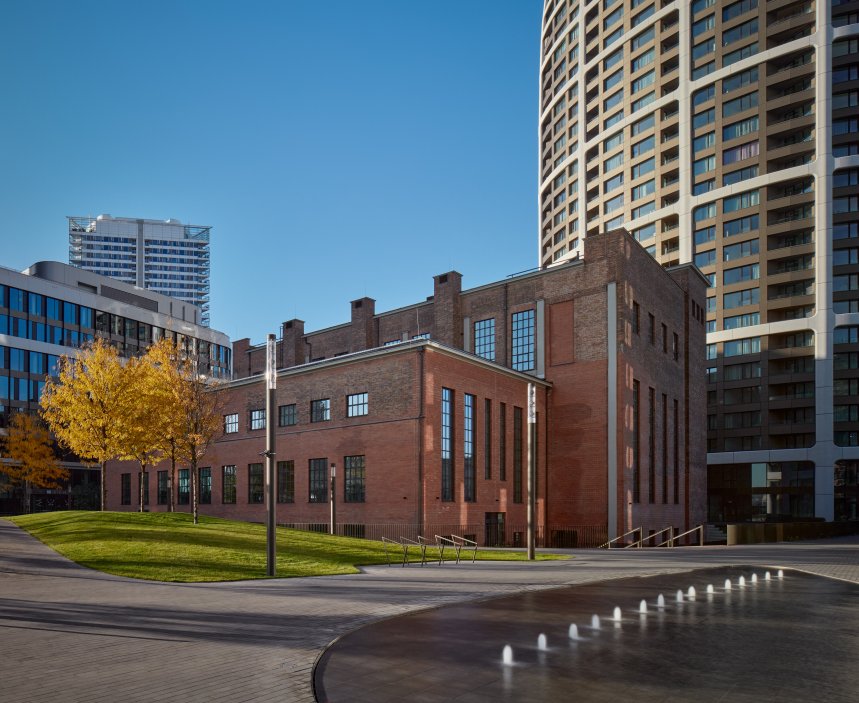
(423, 409)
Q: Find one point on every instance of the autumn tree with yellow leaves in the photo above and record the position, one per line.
(29, 455)
(88, 404)
(189, 405)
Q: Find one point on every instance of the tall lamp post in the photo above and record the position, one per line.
(532, 469)
(271, 385)
(333, 526)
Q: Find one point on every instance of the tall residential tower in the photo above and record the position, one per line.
(164, 256)
(727, 134)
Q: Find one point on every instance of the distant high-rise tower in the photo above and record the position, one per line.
(161, 255)
(727, 134)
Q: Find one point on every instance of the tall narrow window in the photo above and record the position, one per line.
(205, 486)
(468, 472)
(163, 488)
(487, 439)
(651, 438)
(447, 474)
(636, 442)
(517, 454)
(143, 477)
(676, 453)
(184, 494)
(651, 328)
(318, 470)
(286, 482)
(664, 448)
(228, 484)
(125, 489)
(354, 473)
(502, 442)
(256, 484)
(523, 341)
(484, 338)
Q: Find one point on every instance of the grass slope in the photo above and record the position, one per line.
(169, 547)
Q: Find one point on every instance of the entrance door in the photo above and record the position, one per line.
(494, 536)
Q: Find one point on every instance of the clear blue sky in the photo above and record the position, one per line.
(338, 149)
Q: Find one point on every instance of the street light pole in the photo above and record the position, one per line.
(532, 469)
(333, 526)
(271, 385)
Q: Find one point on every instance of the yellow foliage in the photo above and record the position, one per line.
(88, 404)
(29, 448)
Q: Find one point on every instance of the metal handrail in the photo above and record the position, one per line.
(386, 542)
(641, 542)
(608, 544)
(465, 542)
(700, 529)
(441, 542)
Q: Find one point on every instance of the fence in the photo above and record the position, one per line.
(485, 534)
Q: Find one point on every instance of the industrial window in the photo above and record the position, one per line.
(257, 419)
(636, 437)
(184, 495)
(163, 488)
(484, 339)
(231, 423)
(285, 482)
(468, 472)
(487, 439)
(355, 476)
(318, 483)
(447, 467)
(228, 484)
(523, 341)
(320, 410)
(125, 492)
(256, 484)
(356, 404)
(205, 486)
(502, 442)
(287, 415)
(517, 455)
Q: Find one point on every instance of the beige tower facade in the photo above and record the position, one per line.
(726, 134)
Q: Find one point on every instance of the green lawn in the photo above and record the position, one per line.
(169, 547)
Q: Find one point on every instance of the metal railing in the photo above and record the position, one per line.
(608, 544)
(699, 529)
(640, 542)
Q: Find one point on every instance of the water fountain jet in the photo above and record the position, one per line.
(660, 602)
(507, 655)
(617, 615)
(690, 594)
(679, 597)
(710, 589)
(574, 632)
(727, 584)
(542, 644)
(595, 622)
(642, 607)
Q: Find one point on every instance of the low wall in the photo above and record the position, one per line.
(760, 532)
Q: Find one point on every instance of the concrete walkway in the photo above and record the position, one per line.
(71, 634)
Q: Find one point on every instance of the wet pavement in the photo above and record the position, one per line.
(794, 639)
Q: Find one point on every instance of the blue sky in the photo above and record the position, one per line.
(338, 149)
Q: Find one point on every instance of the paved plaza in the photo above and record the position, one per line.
(72, 634)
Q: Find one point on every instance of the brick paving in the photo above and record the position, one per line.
(72, 634)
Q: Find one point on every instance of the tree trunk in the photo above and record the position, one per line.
(172, 481)
(103, 486)
(140, 485)
(194, 482)
(27, 506)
